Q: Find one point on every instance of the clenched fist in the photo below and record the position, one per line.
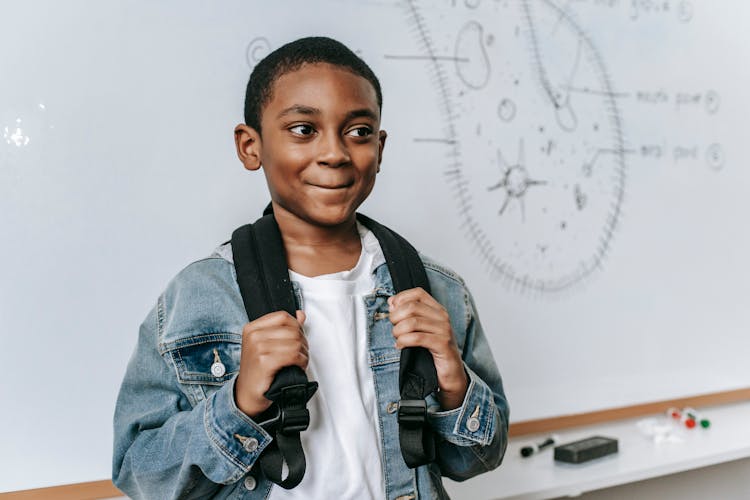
(269, 343)
(421, 321)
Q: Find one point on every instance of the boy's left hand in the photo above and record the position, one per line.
(421, 321)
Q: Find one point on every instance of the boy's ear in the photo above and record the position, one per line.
(383, 135)
(247, 142)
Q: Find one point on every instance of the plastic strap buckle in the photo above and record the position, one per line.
(294, 416)
(294, 420)
(412, 412)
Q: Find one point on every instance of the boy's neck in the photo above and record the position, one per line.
(315, 250)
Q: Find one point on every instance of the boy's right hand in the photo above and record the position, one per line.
(269, 343)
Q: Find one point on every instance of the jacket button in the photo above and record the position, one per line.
(250, 483)
(250, 445)
(392, 407)
(218, 370)
(472, 424)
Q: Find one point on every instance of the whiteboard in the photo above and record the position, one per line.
(582, 164)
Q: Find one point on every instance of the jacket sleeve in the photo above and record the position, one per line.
(166, 448)
(473, 437)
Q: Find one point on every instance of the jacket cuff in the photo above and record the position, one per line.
(235, 435)
(471, 423)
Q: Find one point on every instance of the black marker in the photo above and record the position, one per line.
(527, 451)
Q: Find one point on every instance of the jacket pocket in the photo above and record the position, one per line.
(205, 362)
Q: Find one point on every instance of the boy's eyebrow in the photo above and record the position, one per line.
(299, 109)
(361, 113)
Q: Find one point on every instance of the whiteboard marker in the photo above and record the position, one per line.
(527, 451)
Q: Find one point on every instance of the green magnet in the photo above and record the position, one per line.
(705, 423)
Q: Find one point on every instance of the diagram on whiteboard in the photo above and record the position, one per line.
(532, 136)
(539, 163)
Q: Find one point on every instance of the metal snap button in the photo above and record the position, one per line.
(218, 370)
(250, 483)
(392, 407)
(250, 445)
(472, 424)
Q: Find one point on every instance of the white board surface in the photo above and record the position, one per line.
(582, 164)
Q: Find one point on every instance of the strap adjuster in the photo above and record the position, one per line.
(294, 420)
(412, 412)
(293, 416)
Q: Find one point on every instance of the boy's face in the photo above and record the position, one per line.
(321, 146)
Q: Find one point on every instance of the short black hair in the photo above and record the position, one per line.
(291, 57)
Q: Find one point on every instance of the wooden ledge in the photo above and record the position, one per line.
(595, 417)
(80, 491)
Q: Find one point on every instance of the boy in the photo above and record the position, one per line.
(185, 419)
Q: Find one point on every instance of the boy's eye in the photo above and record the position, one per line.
(302, 129)
(360, 132)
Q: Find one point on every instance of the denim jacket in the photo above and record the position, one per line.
(179, 434)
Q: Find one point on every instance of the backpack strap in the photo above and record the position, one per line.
(417, 375)
(263, 278)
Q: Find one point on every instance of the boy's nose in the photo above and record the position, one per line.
(332, 151)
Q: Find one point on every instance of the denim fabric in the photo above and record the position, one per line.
(179, 434)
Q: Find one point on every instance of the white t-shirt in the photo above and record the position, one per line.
(342, 445)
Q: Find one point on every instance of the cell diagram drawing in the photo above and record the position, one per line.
(533, 137)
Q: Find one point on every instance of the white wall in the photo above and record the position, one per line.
(619, 277)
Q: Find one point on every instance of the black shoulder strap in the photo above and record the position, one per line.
(263, 278)
(417, 375)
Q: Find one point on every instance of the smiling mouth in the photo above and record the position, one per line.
(340, 186)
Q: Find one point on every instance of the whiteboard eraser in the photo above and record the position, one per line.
(586, 449)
